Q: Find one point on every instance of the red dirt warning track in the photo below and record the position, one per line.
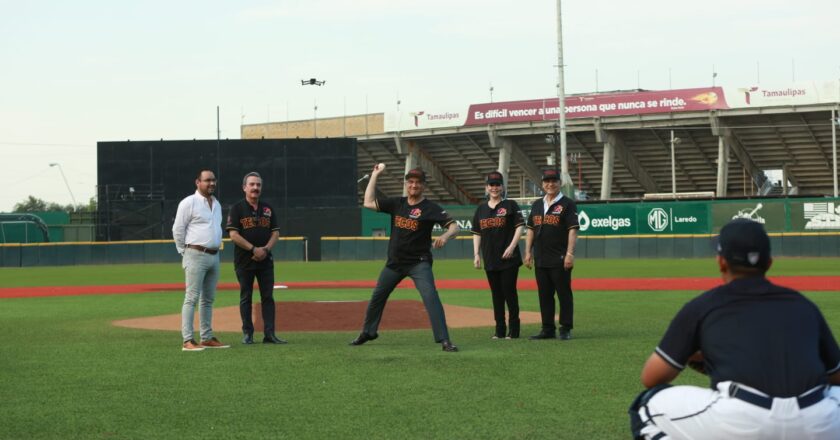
(806, 283)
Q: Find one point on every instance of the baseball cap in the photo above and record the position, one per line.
(550, 174)
(416, 173)
(495, 177)
(744, 243)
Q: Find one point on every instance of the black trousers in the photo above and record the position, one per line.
(265, 279)
(551, 280)
(503, 289)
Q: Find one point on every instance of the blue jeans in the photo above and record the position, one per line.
(424, 280)
(202, 274)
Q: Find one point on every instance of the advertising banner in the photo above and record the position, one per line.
(769, 213)
(816, 216)
(603, 104)
(800, 93)
(673, 218)
(663, 218)
(424, 119)
(607, 219)
(618, 104)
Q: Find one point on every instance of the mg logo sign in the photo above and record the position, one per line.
(657, 219)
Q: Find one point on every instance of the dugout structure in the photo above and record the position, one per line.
(310, 182)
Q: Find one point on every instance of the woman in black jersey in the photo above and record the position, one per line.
(497, 226)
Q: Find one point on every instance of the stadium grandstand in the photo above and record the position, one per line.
(726, 141)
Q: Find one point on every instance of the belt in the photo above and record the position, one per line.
(806, 399)
(203, 249)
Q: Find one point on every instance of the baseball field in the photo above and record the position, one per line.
(66, 371)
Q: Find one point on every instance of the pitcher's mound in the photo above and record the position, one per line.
(332, 316)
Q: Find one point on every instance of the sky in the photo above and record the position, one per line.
(76, 73)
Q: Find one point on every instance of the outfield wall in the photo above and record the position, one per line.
(787, 244)
(125, 252)
(791, 244)
(666, 218)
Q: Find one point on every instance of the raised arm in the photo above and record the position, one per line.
(370, 191)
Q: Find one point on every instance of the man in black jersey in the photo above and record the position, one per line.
(550, 248)
(769, 353)
(252, 226)
(409, 253)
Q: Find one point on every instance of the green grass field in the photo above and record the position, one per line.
(66, 372)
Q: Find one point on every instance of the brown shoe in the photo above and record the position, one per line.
(191, 345)
(213, 343)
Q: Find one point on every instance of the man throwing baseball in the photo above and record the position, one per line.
(409, 253)
(772, 360)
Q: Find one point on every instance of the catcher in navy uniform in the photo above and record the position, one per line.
(552, 235)
(773, 362)
(497, 226)
(252, 225)
(409, 252)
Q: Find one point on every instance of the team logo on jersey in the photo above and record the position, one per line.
(557, 209)
(267, 211)
(501, 212)
(493, 222)
(415, 213)
(406, 223)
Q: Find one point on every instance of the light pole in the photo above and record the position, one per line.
(309, 82)
(674, 141)
(567, 186)
(314, 118)
(72, 197)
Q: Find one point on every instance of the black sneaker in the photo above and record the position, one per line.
(271, 339)
(565, 334)
(543, 335)
(248, 339)
(448, 346)
(362, 338)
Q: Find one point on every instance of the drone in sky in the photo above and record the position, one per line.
(312, 82)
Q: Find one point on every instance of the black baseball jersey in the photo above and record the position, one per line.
(496, 227)
(256, 226)
(411, 229)
(551, 230)
(755, 333)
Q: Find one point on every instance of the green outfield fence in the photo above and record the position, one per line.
(125, 252)
(786, 244)
(789, 244)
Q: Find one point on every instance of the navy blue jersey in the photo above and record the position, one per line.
(551, 230)
(496, 227)
(755, 333)
(411, 229)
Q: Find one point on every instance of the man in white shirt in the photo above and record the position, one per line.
(198, 237)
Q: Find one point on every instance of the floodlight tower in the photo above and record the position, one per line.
(72, 197)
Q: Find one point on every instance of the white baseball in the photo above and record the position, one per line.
(380, 166)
